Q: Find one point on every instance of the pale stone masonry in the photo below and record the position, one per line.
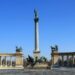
(36, 50)
(62, 58)
(11, 60)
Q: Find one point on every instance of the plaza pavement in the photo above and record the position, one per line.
(59, 71)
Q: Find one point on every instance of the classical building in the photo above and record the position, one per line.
(12, 60)
(62, 58)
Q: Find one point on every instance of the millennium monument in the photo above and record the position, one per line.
(36, 52)
(16, 60)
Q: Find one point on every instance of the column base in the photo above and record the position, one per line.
(19, 66)
(36, 55)
(5, 65)
(1, 65)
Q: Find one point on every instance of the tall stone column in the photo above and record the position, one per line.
(36, 51)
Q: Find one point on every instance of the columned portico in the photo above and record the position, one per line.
(67, 58)
(6, 60)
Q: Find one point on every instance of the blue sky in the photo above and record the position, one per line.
(56, 25)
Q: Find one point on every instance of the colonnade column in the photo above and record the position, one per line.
(0, 61)
(72, 60)
(67, 60)
(5, 61)
(62, 60)
(10, 60)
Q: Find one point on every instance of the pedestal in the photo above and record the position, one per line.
(36, 55)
